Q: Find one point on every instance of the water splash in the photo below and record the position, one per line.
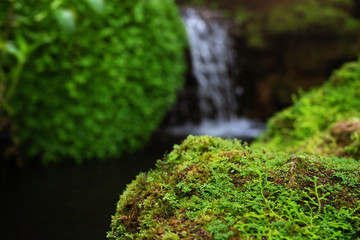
(243, 128)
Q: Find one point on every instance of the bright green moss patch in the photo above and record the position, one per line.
(101, 90)
(307, 125)
(210, 188)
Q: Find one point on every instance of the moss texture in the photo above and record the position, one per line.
(308, 125)
(100, 90)
(210, 188)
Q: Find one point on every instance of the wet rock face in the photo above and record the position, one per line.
(344, 132)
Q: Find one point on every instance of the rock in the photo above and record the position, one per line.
(211, 188)
(343, 132)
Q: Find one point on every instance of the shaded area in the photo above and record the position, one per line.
(68, 202)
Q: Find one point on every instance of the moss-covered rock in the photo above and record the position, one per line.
(309, 124)
(210, 188)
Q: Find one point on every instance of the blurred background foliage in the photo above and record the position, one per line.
(287, 17)
(88, 79)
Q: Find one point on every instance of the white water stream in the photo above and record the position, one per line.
(212, 54)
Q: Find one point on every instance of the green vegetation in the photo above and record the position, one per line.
(210, 188)
(307, 125)
(92, 79)
(310, 17)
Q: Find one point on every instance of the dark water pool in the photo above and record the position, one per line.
(68, 202)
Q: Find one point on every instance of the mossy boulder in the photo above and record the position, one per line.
(320, 119)
(211, 188)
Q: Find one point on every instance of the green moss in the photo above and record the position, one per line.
(210, 188)
(306, 126)
(100, 88)
(313, 17)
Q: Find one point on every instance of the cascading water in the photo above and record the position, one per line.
(212, 55)
(210, 49)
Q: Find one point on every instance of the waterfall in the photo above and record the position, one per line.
(212, 57)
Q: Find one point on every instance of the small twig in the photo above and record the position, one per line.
(292, 170)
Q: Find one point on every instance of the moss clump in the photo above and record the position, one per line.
(307, 125)
(98, 90)
(210, 188)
